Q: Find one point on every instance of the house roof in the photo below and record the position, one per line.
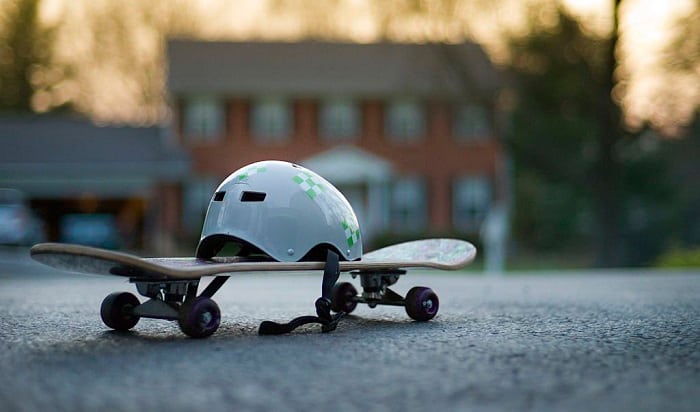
(349, 165)
(57, 156)
(320, 68)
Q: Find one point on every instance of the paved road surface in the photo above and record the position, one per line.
(568, 341)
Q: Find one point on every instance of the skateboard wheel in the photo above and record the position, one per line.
(199, 318)
(421, 303)
(342, 297)
(117, 310)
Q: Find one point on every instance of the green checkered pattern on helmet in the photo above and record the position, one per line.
(251, 171)
(352, 234)
(308, 184)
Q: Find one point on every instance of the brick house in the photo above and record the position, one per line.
(405, 131)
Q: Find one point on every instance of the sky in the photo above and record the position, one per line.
(117, 47)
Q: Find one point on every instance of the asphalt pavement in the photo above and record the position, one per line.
(575, 341)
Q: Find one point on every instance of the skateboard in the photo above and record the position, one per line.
(171, 284)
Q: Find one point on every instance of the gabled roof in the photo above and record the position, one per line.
(320, 68)
(349, 165)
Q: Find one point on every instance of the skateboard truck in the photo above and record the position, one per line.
(198, 316)
(375, 287)
(328, 321)
(421, 303)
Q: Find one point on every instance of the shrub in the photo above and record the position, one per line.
(680, 258)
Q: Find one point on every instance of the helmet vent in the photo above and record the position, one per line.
(253, 196)
(219, 196)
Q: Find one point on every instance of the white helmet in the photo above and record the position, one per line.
(282, 210)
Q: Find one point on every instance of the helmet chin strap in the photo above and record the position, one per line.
(323, 316)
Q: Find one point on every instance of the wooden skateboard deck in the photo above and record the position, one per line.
(444, 254)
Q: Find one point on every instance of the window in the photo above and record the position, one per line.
(471, 201)
(271, 119)
(470, 122)
(408, 205)
(340, 120)
(405, 121)
(204, 118)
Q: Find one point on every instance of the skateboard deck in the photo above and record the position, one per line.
(443, 254)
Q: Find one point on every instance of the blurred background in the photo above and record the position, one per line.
(552, 134)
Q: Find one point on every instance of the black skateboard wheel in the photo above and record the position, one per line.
(117, 310)
(199, 318)
(422, 303)
(342, 297)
